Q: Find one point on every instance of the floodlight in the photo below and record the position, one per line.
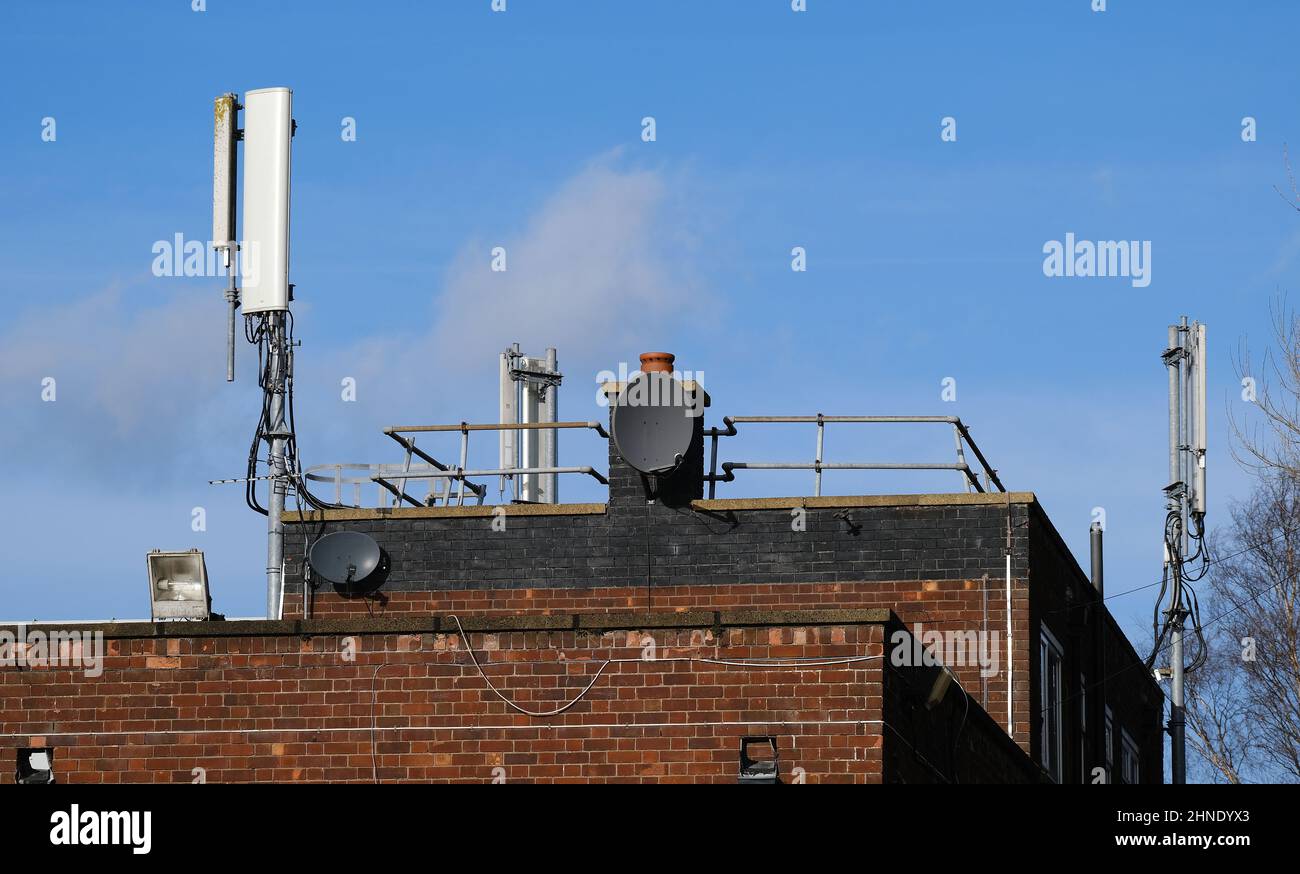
(939, 688)
(762, 770)
(35, 765)
(178, 585)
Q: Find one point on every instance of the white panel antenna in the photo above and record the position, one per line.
(509, 413)
(1199, 362)
(225, 126)
(547, 440)
(268, 129)
(225, 178)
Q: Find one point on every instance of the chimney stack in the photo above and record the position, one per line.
(657, 362)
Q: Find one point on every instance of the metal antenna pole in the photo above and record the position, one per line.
(232, 302)
(550, 440)
(277, 433)
(1176, 360)
(1177, 721)
(1185, 418)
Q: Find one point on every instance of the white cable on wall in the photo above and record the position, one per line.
(754, 663)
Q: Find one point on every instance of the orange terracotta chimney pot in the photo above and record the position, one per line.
(657, 362)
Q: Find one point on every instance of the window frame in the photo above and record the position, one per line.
(1109, 728)
(1051, 673)
(1083, 727)
(1129, 754)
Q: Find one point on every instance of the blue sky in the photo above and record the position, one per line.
(775, 129)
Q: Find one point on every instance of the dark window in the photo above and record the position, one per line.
(1051, 703)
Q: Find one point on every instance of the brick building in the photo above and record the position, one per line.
(631, 640)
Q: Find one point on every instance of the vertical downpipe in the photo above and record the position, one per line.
(1010, 663)
(1098, 715)
(984, 630)
(1011, 725)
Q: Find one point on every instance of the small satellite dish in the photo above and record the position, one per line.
(653, 424)
(345, 558)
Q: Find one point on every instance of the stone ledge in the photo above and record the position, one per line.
(956, 499)
(710, 505)
(590, 622)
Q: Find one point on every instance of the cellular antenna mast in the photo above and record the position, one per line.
(263, 267)
(530, 388)
(1185, 556)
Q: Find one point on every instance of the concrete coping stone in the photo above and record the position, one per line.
(444, 624)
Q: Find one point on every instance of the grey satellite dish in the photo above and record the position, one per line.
(652, 424)
(345, 558)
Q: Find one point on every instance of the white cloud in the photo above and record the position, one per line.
(596, 272)
(602, 270)
(599, 271)
(131, 382)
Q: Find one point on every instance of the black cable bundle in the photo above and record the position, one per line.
(1176, 579)
(258, 331)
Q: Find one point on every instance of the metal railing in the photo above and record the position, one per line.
(392, 479)
(450, 484)
(961, 437)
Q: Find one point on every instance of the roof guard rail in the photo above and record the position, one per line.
(961, 437)
(392, 478)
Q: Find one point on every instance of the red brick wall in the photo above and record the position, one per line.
(292, 708)
(935, 604)
(924, 600)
